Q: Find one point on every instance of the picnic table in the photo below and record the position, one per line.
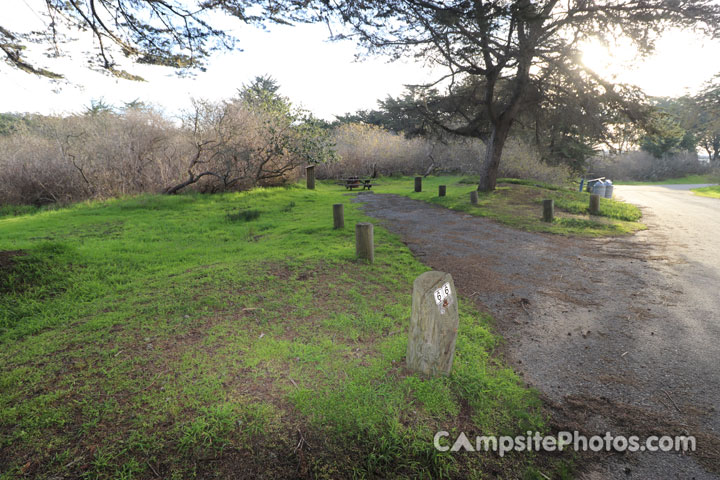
(356, 182)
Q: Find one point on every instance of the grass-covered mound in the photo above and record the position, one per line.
(518, 203)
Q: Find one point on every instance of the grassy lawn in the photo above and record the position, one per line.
(235, 334)
(713, 192)
(518, 203)
(687, 180)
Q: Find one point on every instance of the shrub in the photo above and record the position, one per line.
(642, 166)
(233, 145)
(236, 145)
(59, 160)
(521, 160)
(364, 149)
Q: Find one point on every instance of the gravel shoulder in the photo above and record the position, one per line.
(618, 334)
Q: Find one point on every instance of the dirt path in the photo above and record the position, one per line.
(619, 335)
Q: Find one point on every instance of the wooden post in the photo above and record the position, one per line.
(548, 210)
(310, 177)
(338, 216)
(433, 324)
(418, 184)
(364, 244)
(474, 197)
(441, 191)
(594, 204)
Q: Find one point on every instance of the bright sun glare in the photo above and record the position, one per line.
(681, 63)
(599, 57)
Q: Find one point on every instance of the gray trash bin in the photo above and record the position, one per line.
(608, 189)
(599, 188)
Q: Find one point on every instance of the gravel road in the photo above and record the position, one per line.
(618, 334)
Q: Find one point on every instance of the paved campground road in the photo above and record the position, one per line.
(618, 334)
(687, 224)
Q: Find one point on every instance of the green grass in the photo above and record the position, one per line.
(14, 210)
(244, 215)
(687, 180)
(713, 192)
(518, 203)
(171, 335)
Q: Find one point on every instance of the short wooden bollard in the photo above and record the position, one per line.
(364, 242)
(338, 216)
(418, 184)
(474, 197)
(441, 191)
(594, 204)
(433, 324)
(548, 210)
(310, 177)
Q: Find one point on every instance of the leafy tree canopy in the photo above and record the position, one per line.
(506, 61)
(666, 137)
(263, 93)
(707, 126)
(567, 126)
(303, 135)
(686, 124)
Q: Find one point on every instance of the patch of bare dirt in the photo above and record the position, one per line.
(6, 259)
(590, 415)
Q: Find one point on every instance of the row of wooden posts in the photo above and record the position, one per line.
(364, 231)
(548, 205)
(442, 190)
(364, 234)
(549, 208)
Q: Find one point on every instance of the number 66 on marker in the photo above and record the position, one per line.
(442, 293)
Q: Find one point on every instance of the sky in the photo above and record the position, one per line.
(321, 76)
(682, 63)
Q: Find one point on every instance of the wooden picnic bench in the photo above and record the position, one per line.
(356, 182)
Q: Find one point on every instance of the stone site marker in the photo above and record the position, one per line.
(433, 324)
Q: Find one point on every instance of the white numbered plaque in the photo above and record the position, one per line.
(443, 297)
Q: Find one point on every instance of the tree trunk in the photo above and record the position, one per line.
(192, 179)
(493, 153)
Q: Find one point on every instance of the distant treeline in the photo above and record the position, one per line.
(259, 139)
